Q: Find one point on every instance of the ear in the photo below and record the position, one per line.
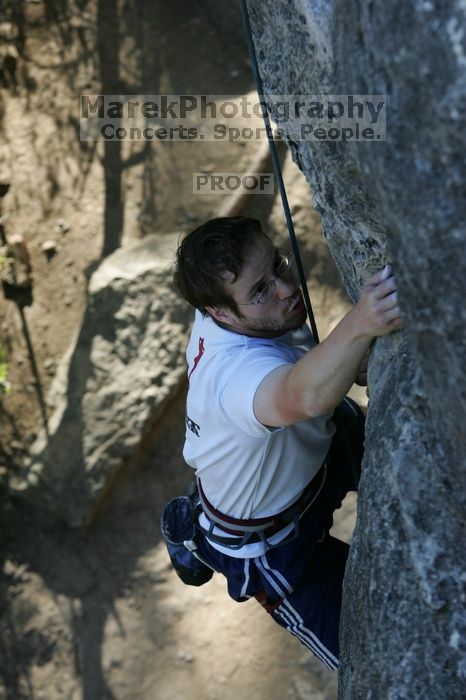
(220, 314)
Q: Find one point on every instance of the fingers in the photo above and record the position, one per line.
(392, 314)
(381, 284)
(379, 276)
(381, 280)
(379, 302)
(394, 317)
(386, 272)
(388, 302)
(391, 321)
(387, 312)
(387, 308)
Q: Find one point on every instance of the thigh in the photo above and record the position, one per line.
(242, 577)
(311, 612)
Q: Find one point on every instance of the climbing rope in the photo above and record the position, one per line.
(277, 171)
(293, 239)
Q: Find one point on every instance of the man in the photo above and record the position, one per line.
(270, 465)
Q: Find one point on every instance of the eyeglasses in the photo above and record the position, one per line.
(283, 266)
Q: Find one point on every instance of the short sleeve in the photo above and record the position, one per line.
(237, 395)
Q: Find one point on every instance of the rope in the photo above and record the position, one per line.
(294, 241)
(278, 172)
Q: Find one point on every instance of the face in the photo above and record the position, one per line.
(284, 311)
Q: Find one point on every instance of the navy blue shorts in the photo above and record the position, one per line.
(300, 582)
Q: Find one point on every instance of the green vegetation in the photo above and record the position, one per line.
(5, 386)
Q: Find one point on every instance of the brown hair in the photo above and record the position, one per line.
(207, 253)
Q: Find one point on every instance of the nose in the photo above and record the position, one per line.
(285, 288)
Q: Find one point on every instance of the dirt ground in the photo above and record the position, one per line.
(98, 613)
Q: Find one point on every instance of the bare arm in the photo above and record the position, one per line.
(320, 379)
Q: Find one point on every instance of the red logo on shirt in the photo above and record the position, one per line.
(198, 356)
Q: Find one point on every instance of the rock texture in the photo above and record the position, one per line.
(111, 388)
(403, 627)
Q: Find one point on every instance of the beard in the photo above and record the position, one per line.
(269, 326)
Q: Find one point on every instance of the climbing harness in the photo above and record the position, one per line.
(247, 531)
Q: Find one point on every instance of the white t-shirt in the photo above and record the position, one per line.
(247, 470)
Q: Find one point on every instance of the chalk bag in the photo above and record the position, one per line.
(179, 528)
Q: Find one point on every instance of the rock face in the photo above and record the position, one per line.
(403, 628)
(110, 389)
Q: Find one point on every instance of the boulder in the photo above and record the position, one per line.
(402, 200)
(125, 364)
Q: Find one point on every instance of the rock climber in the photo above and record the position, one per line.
(270, 464)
